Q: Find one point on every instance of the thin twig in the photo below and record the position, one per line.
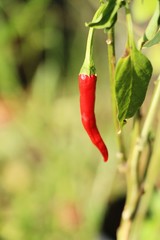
(111, 60)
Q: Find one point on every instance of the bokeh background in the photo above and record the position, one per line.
(53, 182)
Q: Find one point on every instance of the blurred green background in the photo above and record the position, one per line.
(53, 182)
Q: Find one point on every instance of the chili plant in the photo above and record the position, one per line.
(130, 76)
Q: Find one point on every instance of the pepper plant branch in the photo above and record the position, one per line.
(146, 164)
(131, 44)
(111, 60)
(148, 183)
(133, 188)
(129, 25)
(151, 112)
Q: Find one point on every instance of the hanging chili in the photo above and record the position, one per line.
(87, 87)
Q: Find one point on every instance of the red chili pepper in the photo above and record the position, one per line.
(87, 87)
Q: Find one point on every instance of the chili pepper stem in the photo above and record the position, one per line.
(88, 66)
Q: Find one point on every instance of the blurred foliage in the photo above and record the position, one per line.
(51, 184)
(142, 10)
(151, 225)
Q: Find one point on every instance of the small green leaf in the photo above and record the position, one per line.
(106, 15)
(152, 28)
(133, 73)
(153, 41)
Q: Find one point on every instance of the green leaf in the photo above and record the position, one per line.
(153, 41)
(133, 73)
(152, 28)
(106, 15)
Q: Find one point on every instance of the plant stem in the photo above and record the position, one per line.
(88, 66)
(148, 184)
(133, 188)
(129, 25)
(89, 48)
(151, 112)
(111, 59)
